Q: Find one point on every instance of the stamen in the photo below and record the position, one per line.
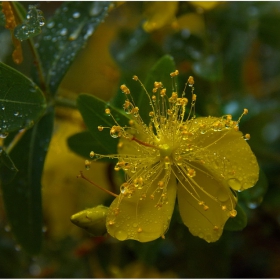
(107, 191)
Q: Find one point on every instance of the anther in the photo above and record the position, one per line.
(135, 78)
(87, 164)
(191, 81)
(233, 213)
(247, 136)
(245, 111)
(163, 92)
(160, 184)
(100, 127)
(108, 112)
(91, 154)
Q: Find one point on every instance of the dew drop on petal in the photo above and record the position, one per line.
(234, 184)
(121, 235)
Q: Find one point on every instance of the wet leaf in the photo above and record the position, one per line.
(7, 168)
(22, 196)
(160, 72)
(83, 143)
(237, 223)
(21, 101)
(93, 113)
(32, 26)
(123, 49)
(64, 36)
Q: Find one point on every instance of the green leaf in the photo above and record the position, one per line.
(21, 101)
(22, 196)
(2, 18)
(32, 26)
(64, 36)
(93, 113)
(7, 168)
(160, 72)
(237, 223)
(83, 143)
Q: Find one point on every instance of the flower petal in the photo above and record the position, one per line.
(224, 151)
(138, 217)
(205, 203)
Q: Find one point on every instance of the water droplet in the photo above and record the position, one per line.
(96, 9)
(76, 15)
(121, 235)
(234, 184)
(63, 31)
(4, 134)
(17, 248)
(16, 114)
(3, 108)
(7, 228)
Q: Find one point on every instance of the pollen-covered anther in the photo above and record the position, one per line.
(173, 97)
(191, 81)
(158, 85)
(205, 207)
(247, 136)
(175, 73)
(163, 92)
(229, 117)
(184, 101)
(194, 97)
(115, 131)
(151, 114)
(191, 172)
(135, 78)
(233, 213)
(108, 112)
(100, 127)
(152, 197)
(87, 164)
(245, 111)
(135, 111)
(161, 184)
(125, 89)
(154, 98)
(91, 154)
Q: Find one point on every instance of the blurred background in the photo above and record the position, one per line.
(232, 50)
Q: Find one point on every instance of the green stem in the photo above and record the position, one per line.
(65, 102)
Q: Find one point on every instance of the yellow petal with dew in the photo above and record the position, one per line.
(224, 151)
(205, 203)
(93, 220)
(145, 216)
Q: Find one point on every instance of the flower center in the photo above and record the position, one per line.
(165, 150)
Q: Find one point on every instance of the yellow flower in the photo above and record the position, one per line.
(202, 160)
